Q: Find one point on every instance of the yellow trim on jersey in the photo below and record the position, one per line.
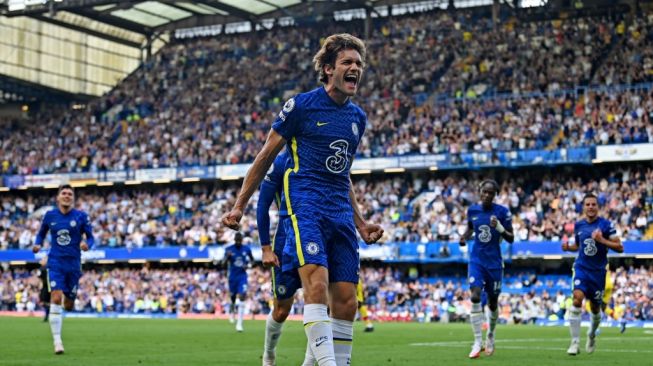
(48, 276)
(274, 239)
(286, 191)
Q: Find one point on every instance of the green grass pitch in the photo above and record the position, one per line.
(27, 342)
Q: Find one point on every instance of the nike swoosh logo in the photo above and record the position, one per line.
(320, 124)
(320, 343)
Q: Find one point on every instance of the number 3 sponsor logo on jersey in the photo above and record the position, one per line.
(339, 161)
(590, 247)
(63, 237)
(485, 235)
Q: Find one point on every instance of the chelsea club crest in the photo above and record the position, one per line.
(354, 129)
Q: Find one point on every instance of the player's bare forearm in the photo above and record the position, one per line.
(615, 244)
(256, 172)
(569, 247)
(510, 237)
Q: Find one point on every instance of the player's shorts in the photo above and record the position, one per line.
(64, 277)
(360, 297)
(487, 279)
(328, 241)
(238, 285)
(284, 284)
(592, 283)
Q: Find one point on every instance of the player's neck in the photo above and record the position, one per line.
(65, 210)
(336, 95)
(591, 220)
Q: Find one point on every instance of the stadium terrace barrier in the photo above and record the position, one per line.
(434, 252)
(472, 160)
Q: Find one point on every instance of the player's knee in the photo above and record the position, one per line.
(280, 314)
(68, 305)
(476, 298)
(316, 292)
(56, 297)
(344, 307)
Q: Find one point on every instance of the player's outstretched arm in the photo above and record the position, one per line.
(371, 233)
(88, 232)
(40, 235)
(468, 234)
(265, 199)
(253, 178)
(613, 243)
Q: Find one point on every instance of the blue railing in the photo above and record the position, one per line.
(434, 252)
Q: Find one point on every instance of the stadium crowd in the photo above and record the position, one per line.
(212, 100)
(391, 294)
(417, 210)
(411, 209)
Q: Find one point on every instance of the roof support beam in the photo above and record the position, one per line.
(113, 21)
(87, 31)
(232, 10)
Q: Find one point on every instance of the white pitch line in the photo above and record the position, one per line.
(460, 345)
(527, 340)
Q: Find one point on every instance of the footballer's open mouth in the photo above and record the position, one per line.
(351, 80)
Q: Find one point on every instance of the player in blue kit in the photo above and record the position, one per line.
(66, 226)
(322, 129)
(238, 257)
(284, 284)
(593, 237)
(490, 223)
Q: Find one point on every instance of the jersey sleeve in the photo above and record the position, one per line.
(43, 230)
(361, 125)
(287, 123)
(609, 230)
(266, 197)
(87, 229)
(506, 220)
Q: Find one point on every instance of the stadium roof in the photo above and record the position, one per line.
(134, 22)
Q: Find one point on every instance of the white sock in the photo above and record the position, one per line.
(56, 320)
(317, 326)
(241, 310)
(272, 334)
(574, 323)
(596, 321)
(309, 360)
(343, 339)
(476, 318)
(492, 319)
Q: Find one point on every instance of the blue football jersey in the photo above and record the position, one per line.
(238, 258)
(592, 256)
(65, 233)
(322, 140)
(486, 249)
(271, 190)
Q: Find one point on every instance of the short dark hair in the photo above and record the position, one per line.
(65, 186)
(489, 181)
(590, 195)
(331, 47)
(238, 235)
